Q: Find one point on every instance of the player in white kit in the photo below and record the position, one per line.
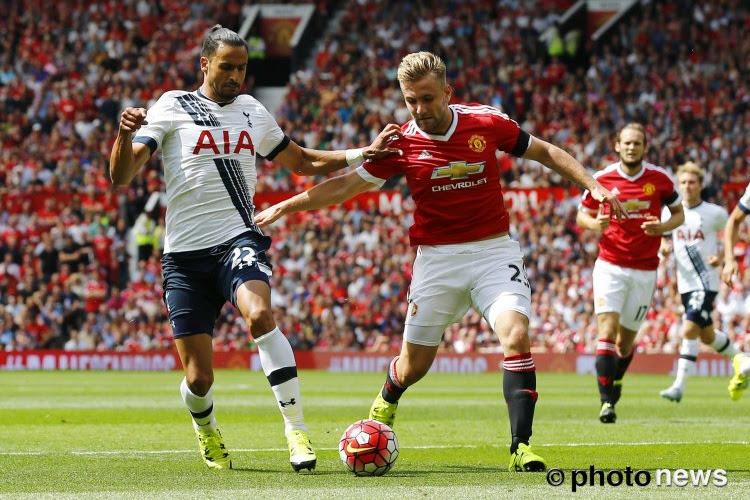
(214, 252)
(695, 245)
(740, 363)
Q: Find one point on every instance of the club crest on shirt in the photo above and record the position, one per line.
(477, 143)
(413, 309)
(649, 188)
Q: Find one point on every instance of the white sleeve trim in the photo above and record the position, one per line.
(369, 177)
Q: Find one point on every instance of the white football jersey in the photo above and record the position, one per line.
(744, 203)
(208, 152)
(694, 242)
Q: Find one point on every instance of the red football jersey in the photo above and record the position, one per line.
(624, 243)
(454, 178)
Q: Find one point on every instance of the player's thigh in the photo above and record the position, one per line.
(500, 282)
(512, 328)
(610, 287)
(638, 300)
(253, 299)
(698, 304)
(245, 260)
(439, 290)
(190, 295)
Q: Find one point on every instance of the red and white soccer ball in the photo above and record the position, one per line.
(368, 448)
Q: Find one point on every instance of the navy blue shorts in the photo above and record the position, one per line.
(198, 283)
(699, 305)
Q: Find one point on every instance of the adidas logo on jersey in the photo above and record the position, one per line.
(615, 191)
(425, 154)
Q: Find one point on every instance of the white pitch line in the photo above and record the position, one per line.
(426, 447)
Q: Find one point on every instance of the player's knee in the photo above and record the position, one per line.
(517, 339)
(199, 383)
(260, 321)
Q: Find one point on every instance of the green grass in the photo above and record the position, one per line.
(127, 435)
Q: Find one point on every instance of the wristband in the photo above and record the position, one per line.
(354, 156)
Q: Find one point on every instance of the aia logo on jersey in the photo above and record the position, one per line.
(688, 235)
(458, 170)
(477, 143)
(649, 188)
(207, 141)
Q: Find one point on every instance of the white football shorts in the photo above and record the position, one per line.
(448, 279)
(623, 290)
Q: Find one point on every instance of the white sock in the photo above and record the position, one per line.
(201, 407)
(686, 363)
(745, 366)
(277, 359)
(723, 345)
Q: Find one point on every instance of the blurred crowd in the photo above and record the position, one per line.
(79, 260)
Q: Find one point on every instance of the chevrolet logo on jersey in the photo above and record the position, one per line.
(635, 205)
(458, 170)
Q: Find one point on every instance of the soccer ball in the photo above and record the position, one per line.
(368, 448)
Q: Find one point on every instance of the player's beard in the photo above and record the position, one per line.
(632, 164)
(227, 93)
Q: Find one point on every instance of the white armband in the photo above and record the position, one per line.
(354, 156)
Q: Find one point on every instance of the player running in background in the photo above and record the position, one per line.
(740, 363)
(464, 256)
(625, 270)
(695, 245)
(214, 252)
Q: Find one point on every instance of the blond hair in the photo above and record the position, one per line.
(634, 126)
(418, 65)
(691, 168)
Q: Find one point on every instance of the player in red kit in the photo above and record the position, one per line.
(464, 256)
(625, 271)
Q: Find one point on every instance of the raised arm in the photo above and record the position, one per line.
(561, 162)
(330, 192)
(304, 161)
(127, 158)
(731, 233)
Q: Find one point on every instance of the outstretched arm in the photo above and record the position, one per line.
(304, 161)
(561, 162)
(127, 158)
(731, 233)
(329, 192)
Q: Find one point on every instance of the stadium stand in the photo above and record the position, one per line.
(69, 279)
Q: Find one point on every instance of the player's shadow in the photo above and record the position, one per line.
(276, 471)
(450, 469)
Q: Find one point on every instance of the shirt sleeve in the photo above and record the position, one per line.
(744, 203)
(274, 141)
(510, 137)
(588, 203)
(671, 195)
(160, 118)
(379, 170)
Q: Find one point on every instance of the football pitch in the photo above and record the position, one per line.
(123, 435)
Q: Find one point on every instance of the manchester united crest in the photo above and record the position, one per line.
(477, 143)
(649, 188)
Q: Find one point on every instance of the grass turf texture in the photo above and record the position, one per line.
(128, 435)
